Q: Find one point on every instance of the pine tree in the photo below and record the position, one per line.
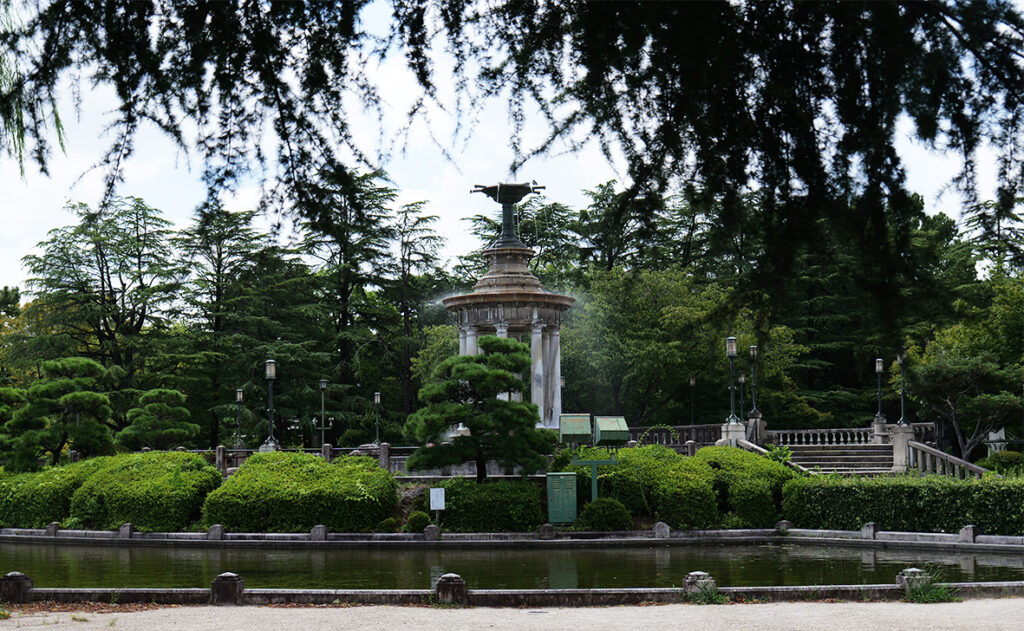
(159, 423)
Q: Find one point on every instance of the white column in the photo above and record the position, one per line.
(548, 367)
(462, 340)
(556, 378)
(537, 369)
(471, 348)
(501, 330)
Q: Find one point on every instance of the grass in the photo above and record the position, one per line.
(707, 594)
(928, 590)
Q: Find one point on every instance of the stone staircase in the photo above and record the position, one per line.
(844, 459)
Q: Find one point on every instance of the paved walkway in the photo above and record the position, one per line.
(975, 615)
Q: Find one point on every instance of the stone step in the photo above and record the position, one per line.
(840, 452)
(842, 457)
(840, 447)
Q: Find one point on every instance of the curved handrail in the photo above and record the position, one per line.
(757, 449)
(928, 459)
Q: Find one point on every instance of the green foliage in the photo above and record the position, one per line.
(707, 594)
(605, 513)
(733, 467)
(160, 423)
(416, 522)
(157, 491)
(656, 482)
(467, 392)
(1002, 461)
(492, 507)
(33, 500)
(780, 453)
(906, 503)
(388, 524)
(63, 408)
(292, 492)
(928, 590)
(751, 501)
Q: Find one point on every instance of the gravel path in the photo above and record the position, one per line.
(987, 615)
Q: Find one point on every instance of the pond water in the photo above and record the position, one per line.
(55, 565)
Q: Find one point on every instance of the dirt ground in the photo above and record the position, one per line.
(976, 615)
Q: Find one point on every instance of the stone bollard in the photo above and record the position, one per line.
(73, 455)
(451, 590)
(220, 461)
(145, 450)
(326, 451)
(384, 456)
(431, 533)
(783, 526)
(691, 448)
(913, 578)
(14, 587)
(969, 534)
(697, 582)
(318, 533)
(662, 530)
(227, 589)
(546, 532)
(180, 449)
(126, 530)
(901, 436)
(869, 530)
(631, 444)
(52, 528)
(215, 533)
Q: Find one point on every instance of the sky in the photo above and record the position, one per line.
(168, 179)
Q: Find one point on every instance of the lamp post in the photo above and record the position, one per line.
(879, 369)
(693, 385)
(753, 384)
(323, 412)
(271, 374)
(730, 352)
(743, 382)
(376, 409)
(238, 419)
(901, 359)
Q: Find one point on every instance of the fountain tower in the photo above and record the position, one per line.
(510, 301)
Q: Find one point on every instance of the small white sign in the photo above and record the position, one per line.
(437, 499)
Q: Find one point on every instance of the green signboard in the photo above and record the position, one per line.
(574, 428)
(610, 430)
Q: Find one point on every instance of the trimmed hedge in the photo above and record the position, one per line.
(33, 500)
(504, 506)
(741, 477)
(906, 503)
(156, 491)
(604, 513)
(292, 492)
(656, 482)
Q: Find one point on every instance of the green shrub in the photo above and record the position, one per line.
(417, 521)
(605, 513)
(926, 504)
(388, 524)
(653, 481)
(731, 465)
(33, 500)
(1003, 461)
(292, 492)
(161, 491)
(751, 501)
(492, 507)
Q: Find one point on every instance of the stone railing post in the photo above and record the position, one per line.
(220, 461)
(215, 533)
(126, 531)
(385, 456)
(326, 451)
(14, 587)
(697, 582)
(691, 448)
(901, 436)
(878, 432)
(731, 433)
(760, 428)
(451, 590)
(227, 589)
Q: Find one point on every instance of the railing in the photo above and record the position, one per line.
(924, 432)
(749, 446)
(930, 460)
(677, 435)
(829, 436)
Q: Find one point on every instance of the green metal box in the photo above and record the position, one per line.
(610, 430)
(561, 498)
(574, 428)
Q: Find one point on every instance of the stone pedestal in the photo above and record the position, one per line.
(52, 528)
(451, 590)
(546, 532)
(14, 587)
(901, 436)
(318, 533)
(698, 581)
(431, 533)
(126, 531)
(326, 451)
(215, 533)
(731, 434)
(913, 578)
(968, 534)
(878, 433)
(869, 530)
(662, 530)
(227, 589)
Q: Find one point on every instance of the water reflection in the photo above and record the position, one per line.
(52, 565)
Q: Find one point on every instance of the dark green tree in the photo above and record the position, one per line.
(160, 422)
(65, 408)
(467, 392)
